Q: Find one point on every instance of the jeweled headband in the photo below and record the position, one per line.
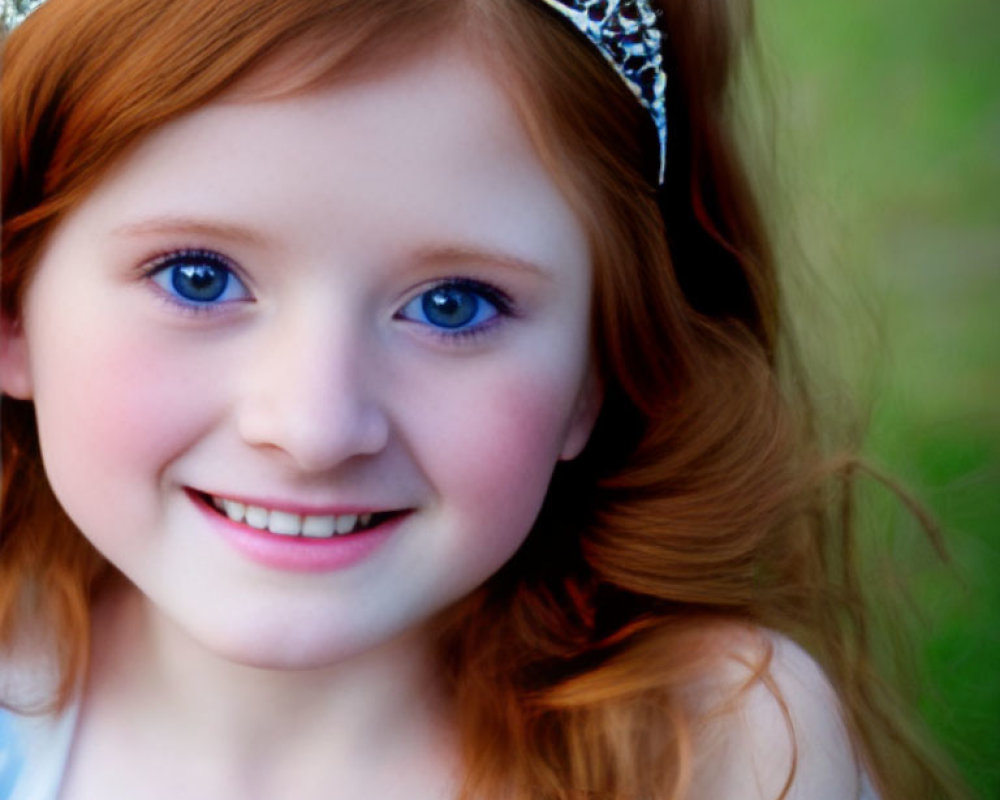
(15, 12)
(624, 32)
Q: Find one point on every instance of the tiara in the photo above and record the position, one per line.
(623, 31)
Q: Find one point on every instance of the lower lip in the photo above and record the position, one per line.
(299, 553)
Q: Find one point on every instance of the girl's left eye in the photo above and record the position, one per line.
(198, 278)
(457, 306)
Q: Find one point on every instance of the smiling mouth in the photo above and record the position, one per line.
(284, 523)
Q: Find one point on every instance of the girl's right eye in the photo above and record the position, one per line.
(198, 278)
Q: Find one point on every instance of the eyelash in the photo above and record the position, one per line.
(500, 302)
(162, 264)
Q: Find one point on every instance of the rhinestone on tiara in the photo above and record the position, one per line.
(625, 33)
(16, 11)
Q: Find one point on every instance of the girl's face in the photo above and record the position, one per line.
(362, 310)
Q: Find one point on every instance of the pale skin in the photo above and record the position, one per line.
(315, 381)
(747, 751)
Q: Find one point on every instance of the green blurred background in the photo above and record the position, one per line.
(891, 113)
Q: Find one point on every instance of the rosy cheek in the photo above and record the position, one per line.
(521, 428)
(111, 403)
(503, 453)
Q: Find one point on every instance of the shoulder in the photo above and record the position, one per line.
(770, 725)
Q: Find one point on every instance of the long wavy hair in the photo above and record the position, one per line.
(703, 499)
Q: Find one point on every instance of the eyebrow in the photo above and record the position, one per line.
(437, 255)
(463, 255)
(190, 225)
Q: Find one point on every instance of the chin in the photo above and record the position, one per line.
(285, 647)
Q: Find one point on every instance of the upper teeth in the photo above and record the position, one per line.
(285, 523)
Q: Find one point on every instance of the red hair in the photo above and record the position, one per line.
(702, 500)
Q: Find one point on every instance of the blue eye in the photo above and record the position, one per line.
(457, 306)
(198, 278)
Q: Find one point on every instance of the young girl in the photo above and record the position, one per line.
(393, 409)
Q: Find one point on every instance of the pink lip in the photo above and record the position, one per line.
(297, 553)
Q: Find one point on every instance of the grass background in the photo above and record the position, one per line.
(892, 118)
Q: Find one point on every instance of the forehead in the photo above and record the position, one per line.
(432, 146)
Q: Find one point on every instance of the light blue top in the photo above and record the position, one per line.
(33, 753)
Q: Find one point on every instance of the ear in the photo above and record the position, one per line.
(15, 376)
(581, 424)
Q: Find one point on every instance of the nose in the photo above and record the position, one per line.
(312, 395)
